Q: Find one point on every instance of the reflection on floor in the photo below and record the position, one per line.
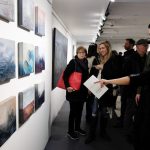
(60, 141)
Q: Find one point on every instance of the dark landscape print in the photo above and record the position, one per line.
(7, 119)
(39, 59)
(7, 60)
(39, 95)
(26, 104)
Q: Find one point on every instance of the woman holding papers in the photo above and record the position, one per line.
(106, 66)
(142, 117)
(76, 98)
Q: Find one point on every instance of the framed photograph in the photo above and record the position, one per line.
(26, 104)
(39, 94)
(26, 59)
(39, 22)
(26, 13)
(7, 10)
(39, 59)
(60, 47)
(7, 118)
(7, 60)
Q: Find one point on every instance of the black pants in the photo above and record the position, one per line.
(101, 115)
(142, 130)
(89, 103)
(123, 102)
(75, 115)
(129, 115)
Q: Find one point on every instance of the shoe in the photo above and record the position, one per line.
(105, 136)
(89, 139)
(72, 135)
(81, 132)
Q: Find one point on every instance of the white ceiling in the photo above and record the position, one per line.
(126, 19)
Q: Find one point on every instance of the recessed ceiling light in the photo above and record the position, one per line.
(112, 0)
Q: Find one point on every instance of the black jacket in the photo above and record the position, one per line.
(78, 66)
(111, 69)
(134, 64)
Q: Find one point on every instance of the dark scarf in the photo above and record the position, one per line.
(82, 62)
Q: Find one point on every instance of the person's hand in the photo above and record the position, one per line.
(89, 92)
(103, 82)
(137, 98)
(70, 89)
(99, 67)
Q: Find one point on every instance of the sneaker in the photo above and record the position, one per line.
(72, 136)
(81, 132)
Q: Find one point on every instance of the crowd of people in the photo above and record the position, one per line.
(129, 74)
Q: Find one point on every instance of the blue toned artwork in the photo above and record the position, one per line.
(7, 60)
(7, 10)
(7, 118)
(39, 22)
(26, 59)
(39, 59)
(39, 94)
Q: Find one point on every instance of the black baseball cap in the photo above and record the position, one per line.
(142, 42)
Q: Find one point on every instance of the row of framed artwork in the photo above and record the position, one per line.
(29, 101)
(30, 17)
(30, 58)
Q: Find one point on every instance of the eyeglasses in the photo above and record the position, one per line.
(81, 52)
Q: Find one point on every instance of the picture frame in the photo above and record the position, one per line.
(39, 59)
(39, 22)
(39, 95)
(60, 47)
(26, 14)
(26, 59)
(7, 10)
(7, 60)
(7, 118)
(26, 104)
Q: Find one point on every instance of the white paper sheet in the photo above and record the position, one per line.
(95, 88)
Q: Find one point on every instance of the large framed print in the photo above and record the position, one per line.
(7, 60)
(26, 14)
(39, 22)
(26, 59)
(26, 104)
(7, 10)
(60, 46)
(7, 118)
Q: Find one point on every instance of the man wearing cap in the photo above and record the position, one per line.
(134, 64)
(142, 116)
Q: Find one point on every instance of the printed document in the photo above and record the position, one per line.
(95, 88)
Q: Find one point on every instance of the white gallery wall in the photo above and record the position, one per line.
(57, 94)
(34, 133)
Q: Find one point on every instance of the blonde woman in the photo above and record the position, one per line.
(106, 66)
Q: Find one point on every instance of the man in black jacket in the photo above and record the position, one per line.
(128, 46)
(134, 65)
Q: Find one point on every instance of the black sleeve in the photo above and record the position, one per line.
(69, 69)
(140, 79)
(93, 70)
